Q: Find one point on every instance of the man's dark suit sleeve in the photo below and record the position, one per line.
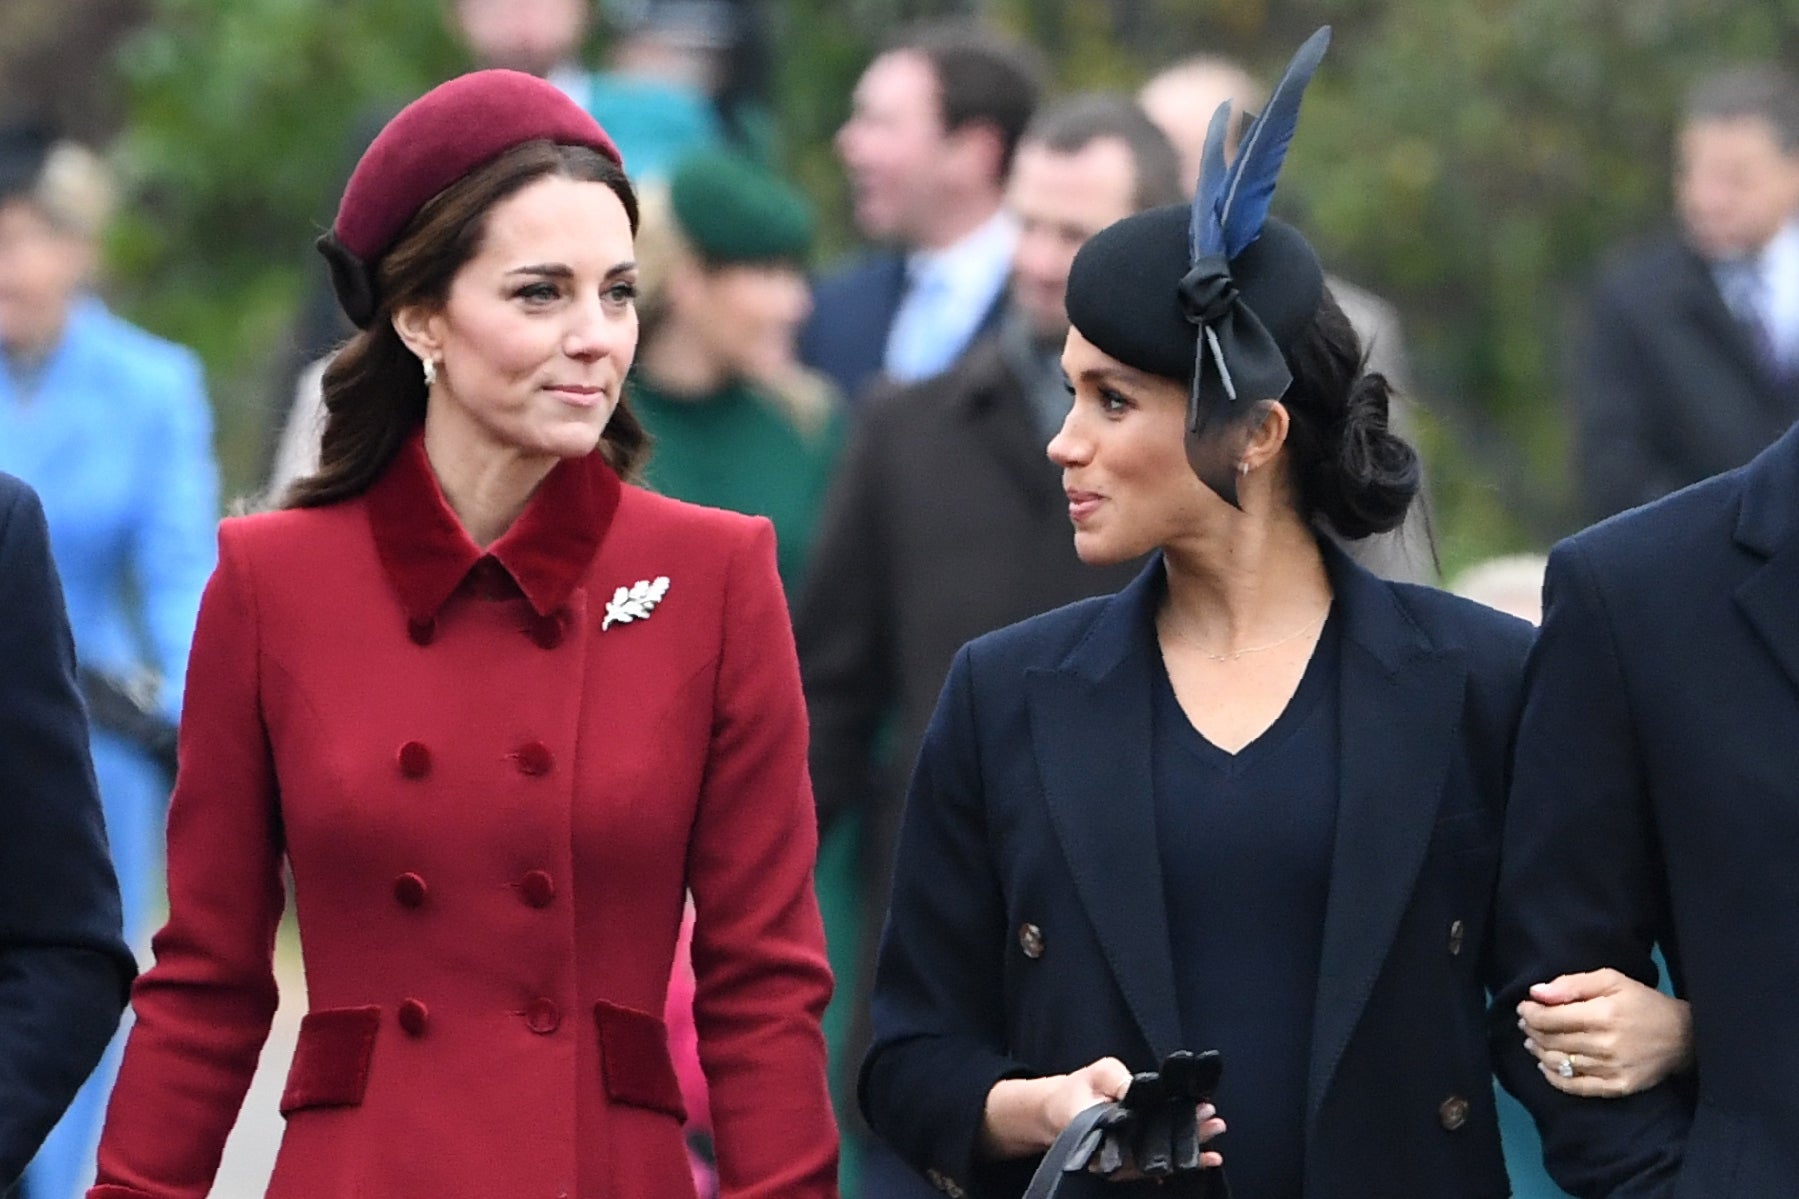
(1620, 462)
(1581, 887)
(64, 970)
(843, 626)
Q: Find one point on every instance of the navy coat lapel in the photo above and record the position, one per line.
(1091, 732)
(1399, 709)
(1768, 527)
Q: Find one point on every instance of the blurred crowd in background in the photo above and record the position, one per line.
(1570, 233)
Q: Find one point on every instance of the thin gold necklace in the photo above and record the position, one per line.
(1233, 655)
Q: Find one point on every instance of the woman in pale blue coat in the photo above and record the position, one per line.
(111, 426)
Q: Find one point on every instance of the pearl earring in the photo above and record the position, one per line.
(1243, 467)
(430, 365)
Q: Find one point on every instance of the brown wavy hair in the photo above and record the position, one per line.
(374, 391)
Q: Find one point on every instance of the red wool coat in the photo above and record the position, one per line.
(493, 792)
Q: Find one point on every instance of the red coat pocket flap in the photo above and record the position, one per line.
(331, 1060)
(634, 1061)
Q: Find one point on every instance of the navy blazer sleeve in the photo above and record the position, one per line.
(1581, 886)
(63, 968)
(939, 1021)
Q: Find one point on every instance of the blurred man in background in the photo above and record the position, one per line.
(928, 146)
(1689, 364)
(947, 520)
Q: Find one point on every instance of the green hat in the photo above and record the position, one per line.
(732, 210)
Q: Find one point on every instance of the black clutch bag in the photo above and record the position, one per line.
(1153, 1129)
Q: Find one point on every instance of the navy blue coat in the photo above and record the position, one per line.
(852, 313)
(1032, 805)
(63, 968)
(1657, 799)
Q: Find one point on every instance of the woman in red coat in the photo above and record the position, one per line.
(499, 712)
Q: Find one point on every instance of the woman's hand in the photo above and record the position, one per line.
(1617, 1035)
(1024, 1116)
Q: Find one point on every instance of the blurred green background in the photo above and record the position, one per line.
(1469, 160)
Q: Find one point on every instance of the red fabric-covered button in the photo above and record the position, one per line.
(414, 1016)
(546, 631)
(415, 760)
(410, 890)
(533, 757)
(543, 1017)
(422, 630)
(538, 888)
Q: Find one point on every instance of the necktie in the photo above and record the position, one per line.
(1746, 292)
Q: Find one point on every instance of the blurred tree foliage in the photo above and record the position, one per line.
(242, 122)
(1468, 159)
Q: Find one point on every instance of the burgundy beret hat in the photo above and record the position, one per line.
(434, 141)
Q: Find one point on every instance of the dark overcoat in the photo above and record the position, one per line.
(1028, 933)
(1657, 800)
(63, 965)
(1665, 383)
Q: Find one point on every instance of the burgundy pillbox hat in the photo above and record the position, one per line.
(434, 141)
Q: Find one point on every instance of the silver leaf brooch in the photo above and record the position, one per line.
(635, 602)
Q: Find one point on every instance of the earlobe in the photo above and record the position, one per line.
(416, 330)
(1267, 435)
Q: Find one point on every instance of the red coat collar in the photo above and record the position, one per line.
(427, 553)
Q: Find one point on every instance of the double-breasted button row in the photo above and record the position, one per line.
(542, 1016)
(535, 887)
(1030, 939)
(533, 758)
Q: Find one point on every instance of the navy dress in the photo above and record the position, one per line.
(1245, 842)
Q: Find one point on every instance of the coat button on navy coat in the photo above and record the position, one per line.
(1456, 933)
(1030, 939)
(1453, 1112)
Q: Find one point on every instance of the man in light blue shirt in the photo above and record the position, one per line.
(928, 147)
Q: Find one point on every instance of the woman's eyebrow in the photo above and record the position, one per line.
(556, 270)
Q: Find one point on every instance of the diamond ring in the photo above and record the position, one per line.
(1566, 1068)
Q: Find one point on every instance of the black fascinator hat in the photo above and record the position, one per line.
(1216, 294)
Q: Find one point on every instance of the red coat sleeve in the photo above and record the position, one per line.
(758, 947)
(203, 1009)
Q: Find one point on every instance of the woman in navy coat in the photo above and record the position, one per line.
(1251, 803)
